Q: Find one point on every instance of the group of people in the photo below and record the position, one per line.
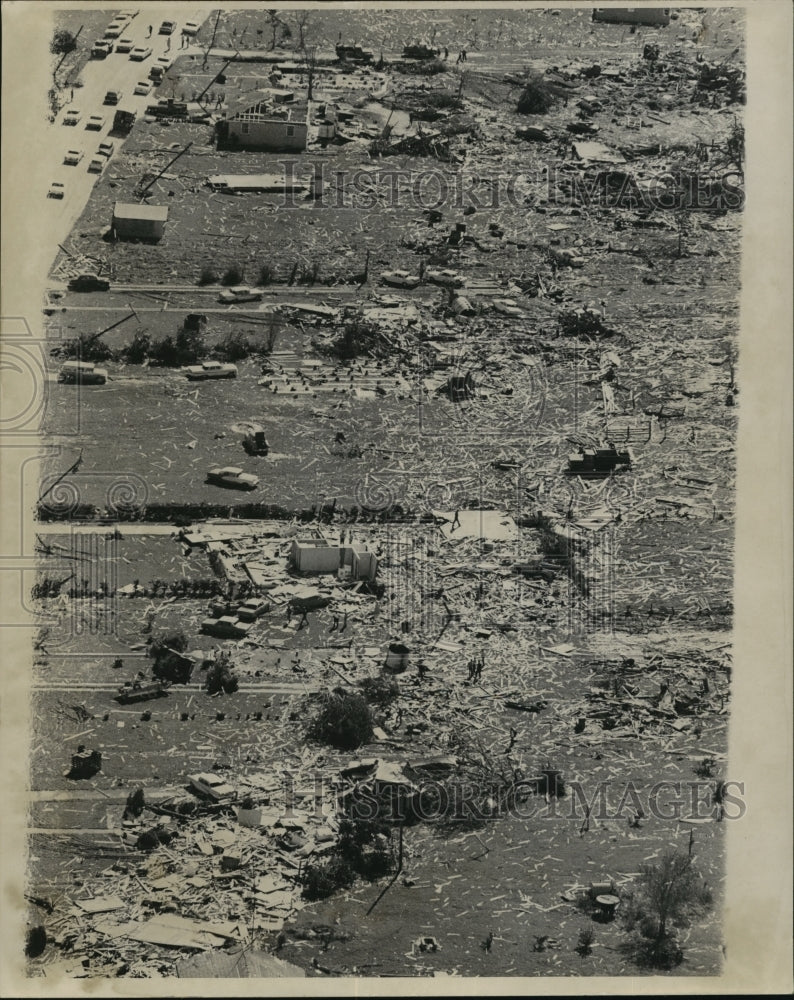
(476, 666)
(184, 39)
(335, 624)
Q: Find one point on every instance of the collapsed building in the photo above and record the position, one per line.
(256, 127)
(316, 556)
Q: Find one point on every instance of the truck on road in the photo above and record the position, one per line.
(123, 122)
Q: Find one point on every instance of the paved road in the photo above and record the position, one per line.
(245, 687)
(92, 528)
(322, 291)
(116, 72)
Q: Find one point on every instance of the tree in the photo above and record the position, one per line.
(683, 225)
(63, 41)
(235, 346)
(365, 844)
(664, 897)
(345, 721)
(137, 352)
(233, 275)
(302, 23)
(220, 676)
(169, 664)
(380, 691)
(274, 20)
(309, 59)
(536, 97)
(321, 879)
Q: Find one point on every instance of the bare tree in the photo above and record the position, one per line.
(309, 59)
(303, 24)
(274, 20)
(684, 226)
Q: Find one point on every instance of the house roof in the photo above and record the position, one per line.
(148, 213)
(260, 102)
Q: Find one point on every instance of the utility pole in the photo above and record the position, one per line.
(220, 71)
(60, 61)
(96, 336)
(63, 475)
(212, 40)
(180, 153)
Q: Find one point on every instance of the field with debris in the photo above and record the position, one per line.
(519, 632)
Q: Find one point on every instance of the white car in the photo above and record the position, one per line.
(167, 28)
(115, 28)
(105, 149)
(232, 477)
(143, 87)
(97, 165)
(139, 53)
(190, 28)
(95, 122)
(101, 49)
(400, 279)
(57, 190)
(252, 609)
(445, 277)
(71, 117)
(73, 157)
(125, 45)
(211, 786)
(240, 293)
(210, 369)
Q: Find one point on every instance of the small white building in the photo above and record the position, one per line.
(139, 222)
(316, 556)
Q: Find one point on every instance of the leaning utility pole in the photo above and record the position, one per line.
(63, 475)
(220, 71)
(180, 153)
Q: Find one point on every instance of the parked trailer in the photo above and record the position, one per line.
(654, 17)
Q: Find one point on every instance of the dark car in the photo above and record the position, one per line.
(88, 283)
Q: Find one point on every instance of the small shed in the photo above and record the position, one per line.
(139, 222)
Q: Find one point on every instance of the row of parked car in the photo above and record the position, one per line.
(73, 157)
(113, 41)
